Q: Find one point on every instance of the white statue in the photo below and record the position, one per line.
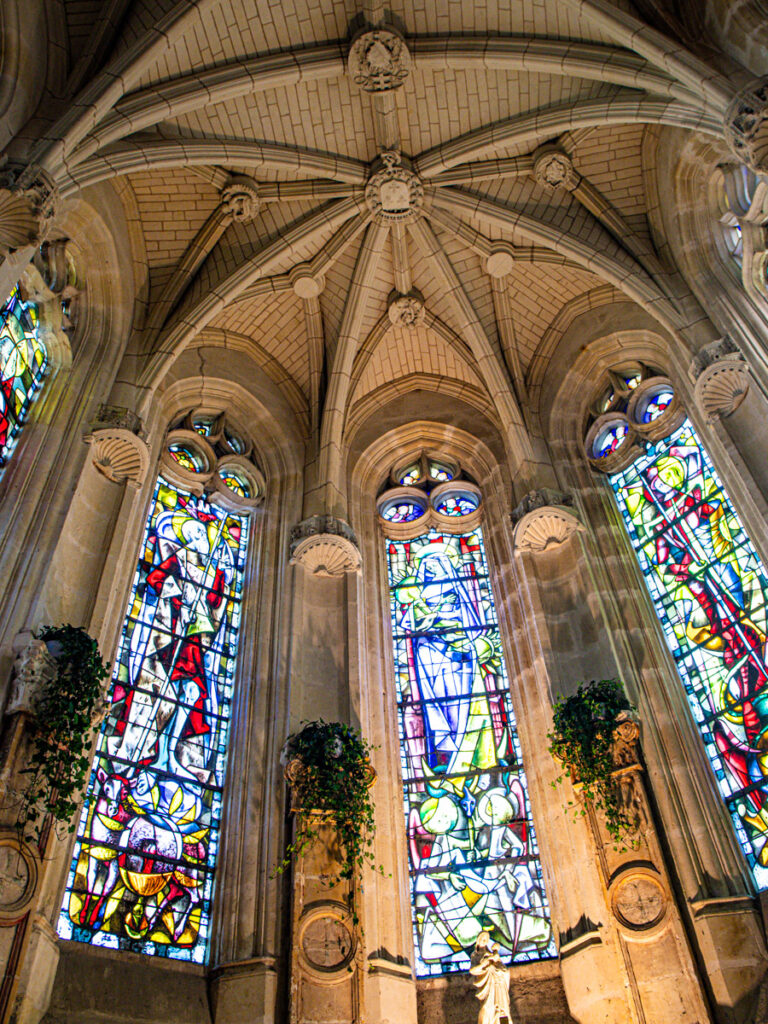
(491, 981)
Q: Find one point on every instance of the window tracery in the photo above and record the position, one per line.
(23, 363)
(473, 854)
(709, 588)
(145, 855)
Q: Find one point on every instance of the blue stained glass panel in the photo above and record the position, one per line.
(143, 868)
(23, 362)
(472, 848)
(710, 589)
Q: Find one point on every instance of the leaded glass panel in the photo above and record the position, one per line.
(473, 854)
(23, 361)
(709, 588)
(143, 869)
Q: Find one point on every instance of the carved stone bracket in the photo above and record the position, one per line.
(394, 192)
(33, 670)
(407, 310)
(118, 449)
(240, 199)
(746, 126)
(379, 60)
(553, 168)
(721, 376)
(544, 519)
(325, 546)
(28, 205)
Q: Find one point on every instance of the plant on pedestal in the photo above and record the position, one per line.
(329, 768)
(67, 713)
(582, 741)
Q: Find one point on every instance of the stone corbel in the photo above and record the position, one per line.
(118, 449)
(746, 126)
(721, 377)
(325, 546)
(544, 519)
(28, 205)
(33, 670)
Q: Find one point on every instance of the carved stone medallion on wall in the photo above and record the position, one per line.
(639, 900)
(326, 939)
(379, 60)
(18, 876)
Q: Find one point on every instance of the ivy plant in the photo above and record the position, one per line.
(334, 775)
(62, 730)
(581, 741)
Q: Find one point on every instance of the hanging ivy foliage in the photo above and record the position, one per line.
(581, 741)
(62, 730)
(332, 774)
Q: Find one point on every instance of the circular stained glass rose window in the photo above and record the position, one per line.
(237, 481)
(609, 439)
(655, 405)
(410, 475)
(456, 503)
(187, 457)
(401, 511)
(440, 471)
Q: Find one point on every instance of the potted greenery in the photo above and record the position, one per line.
(67, 712)
(329, 769)
(582, 741)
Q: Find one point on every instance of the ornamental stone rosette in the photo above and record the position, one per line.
(553, 168)
(407, 311)
(240, 200)
(394, 192)
(379, 60)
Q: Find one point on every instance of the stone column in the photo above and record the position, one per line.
(663, 979)
(327, 961)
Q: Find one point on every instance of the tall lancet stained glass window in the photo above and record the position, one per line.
(472, 848)
(23, 361)
(709, 588)
(144, 860)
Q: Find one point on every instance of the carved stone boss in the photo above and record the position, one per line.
(379, 60)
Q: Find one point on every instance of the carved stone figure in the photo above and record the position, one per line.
(491, 978)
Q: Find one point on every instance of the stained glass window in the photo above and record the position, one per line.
(187, 457)
(610, 439)
(473, 855)
(402, 511)
(143, 869)
(23, 361)
(236, 481)
(456, 505)
(709, 588)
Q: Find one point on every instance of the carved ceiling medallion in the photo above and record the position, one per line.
(379, 60)
(394, 192)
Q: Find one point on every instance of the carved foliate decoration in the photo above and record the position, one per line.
(379, 60)
(543, 520)
(240, 200)
(722, 378)
(407, 310)
(33, 670)
(394, 192)
(325, 546)
(118, 449)
(553, 168)
(746, 126)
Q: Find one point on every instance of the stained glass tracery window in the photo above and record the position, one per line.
(23, 362)
(473, 855)
(710, 591)
(143, 867)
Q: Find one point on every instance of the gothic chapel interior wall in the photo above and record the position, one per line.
(340, 304)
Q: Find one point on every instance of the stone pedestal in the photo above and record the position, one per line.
(663, 980)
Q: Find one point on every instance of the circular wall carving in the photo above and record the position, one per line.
(18, 875)
(639, 901)
(327, 941)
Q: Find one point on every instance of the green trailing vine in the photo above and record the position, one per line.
(581, 741)
(62, 730)
(329, 764)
